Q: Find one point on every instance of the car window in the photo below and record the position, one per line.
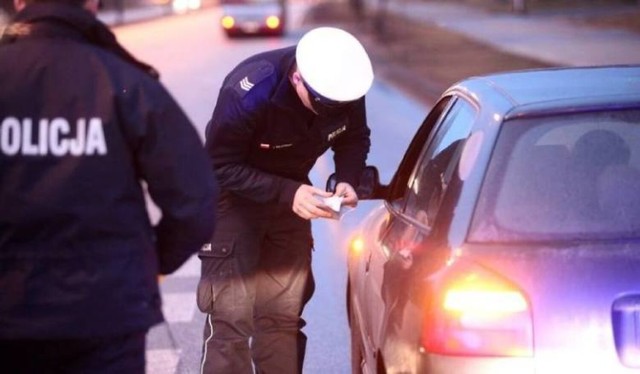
(407, 164)
(572, 177)
(403, 234)
(437, 164)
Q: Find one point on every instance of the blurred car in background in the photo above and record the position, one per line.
(253, 17)
(508, 240)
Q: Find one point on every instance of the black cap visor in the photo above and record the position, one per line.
(323, 105)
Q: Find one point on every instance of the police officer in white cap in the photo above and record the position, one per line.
(276, 113)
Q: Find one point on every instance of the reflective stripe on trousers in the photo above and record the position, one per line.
(256, 279)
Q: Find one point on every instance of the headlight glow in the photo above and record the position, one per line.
(227, 22)
(273, 22)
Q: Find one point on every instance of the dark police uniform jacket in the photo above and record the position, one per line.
(81, 124)
(263, 141)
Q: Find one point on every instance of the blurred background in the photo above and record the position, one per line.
(397, 39)
(376, 8)
(425, 53)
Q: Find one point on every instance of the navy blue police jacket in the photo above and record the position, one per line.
(82, 126)
(263, 141)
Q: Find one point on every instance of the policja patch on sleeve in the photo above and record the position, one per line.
(246, 77)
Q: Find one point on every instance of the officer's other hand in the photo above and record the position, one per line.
(348, 194)
(307, 203)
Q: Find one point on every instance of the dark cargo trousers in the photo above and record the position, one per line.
(255, 280)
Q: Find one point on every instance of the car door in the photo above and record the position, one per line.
(363, 282)
(409, 235)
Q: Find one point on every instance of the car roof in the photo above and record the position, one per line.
(553, 90)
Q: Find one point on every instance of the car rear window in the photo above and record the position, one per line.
(571, 177)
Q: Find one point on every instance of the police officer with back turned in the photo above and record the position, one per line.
(82, 125)
(277, 112)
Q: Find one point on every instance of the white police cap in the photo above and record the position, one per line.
(334, 64)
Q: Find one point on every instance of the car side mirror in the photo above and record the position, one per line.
(369, 187)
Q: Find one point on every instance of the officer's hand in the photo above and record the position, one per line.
(349, 196)
(307, 203)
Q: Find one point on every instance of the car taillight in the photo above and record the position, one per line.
(273, 22)
(227, 22)
(477, 313)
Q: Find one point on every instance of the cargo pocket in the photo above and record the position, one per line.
(218, 268)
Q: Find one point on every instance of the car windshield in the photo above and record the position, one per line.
(573, 177)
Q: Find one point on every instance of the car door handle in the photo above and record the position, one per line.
(367, 264)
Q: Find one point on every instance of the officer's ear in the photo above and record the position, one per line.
(19, 4)
(296, 78)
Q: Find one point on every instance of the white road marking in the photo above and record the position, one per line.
(162, 361)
